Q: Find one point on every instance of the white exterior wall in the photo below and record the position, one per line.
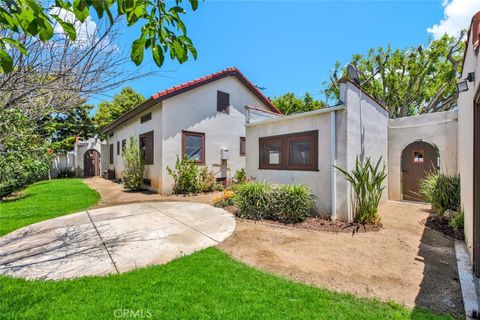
(81, 147)
(196, 110)
(133, 128)
(362, 133)
(438, 129)
(193, 110)
(317, 181)
(62, 162)
(465, 140)
(359, 130)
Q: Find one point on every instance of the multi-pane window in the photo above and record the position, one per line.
(193, 146)
(297, 151)
(146, 147)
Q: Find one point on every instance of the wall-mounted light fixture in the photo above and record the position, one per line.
(462, 86)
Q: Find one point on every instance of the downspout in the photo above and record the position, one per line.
(333, 162)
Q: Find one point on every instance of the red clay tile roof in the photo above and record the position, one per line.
(178, 89)
(167, 93)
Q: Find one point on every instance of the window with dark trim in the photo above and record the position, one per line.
(297, 151)
(223, 101)
(242, 146)
(110, 134)
(418, 156)
(193, 146)
(146, 117)
(111, 153)
(146, 147)
(118, 148)
(124, 143)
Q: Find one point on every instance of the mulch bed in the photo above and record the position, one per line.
(441, 225)
(321, 224)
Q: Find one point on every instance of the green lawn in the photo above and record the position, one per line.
(205, 285)
(45, 200)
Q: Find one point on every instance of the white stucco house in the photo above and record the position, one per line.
(469, 141)
(203, 119)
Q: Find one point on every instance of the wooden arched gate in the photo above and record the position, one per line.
(91, 163)
(418, 159)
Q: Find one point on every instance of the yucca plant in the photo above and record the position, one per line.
(366, 180)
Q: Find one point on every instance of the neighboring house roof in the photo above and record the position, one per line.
(179, 89)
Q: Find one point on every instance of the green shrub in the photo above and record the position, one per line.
(218, 187)
(253, 200)
(132, 176)
(427, 185)
(446, 194)
(185, 176)
(240, 176)
(66, 173)
(207, 180)
(366, 180)
(456, 223)
(291, 203)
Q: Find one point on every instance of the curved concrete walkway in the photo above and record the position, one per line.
(112, 240)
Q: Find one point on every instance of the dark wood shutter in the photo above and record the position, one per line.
(223, 101)
(124, 143)
(118, 148)
(146, 144)
(242, 146)
(111, 153)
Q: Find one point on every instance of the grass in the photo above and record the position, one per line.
(205, 285)
(44, 200)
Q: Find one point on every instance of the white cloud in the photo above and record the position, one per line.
(85, 30)
(457, 16)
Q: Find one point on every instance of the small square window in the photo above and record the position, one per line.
(146, 117)
(418, 156)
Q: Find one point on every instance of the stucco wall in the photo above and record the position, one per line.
(363, 134)
(193, 110)
(133, 128)
(62, 162)
(317, 181)
(79, 151)
(438, 129)
(361, 129)
(465, 141)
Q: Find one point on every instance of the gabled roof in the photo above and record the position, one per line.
(181, 88)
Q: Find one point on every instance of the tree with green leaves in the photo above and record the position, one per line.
(408, 81)
(289, 103)
(61, 129)
(124, 101)
(162, 28)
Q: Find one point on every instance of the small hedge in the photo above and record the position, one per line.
(284, 203)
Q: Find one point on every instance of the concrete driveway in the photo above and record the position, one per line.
(112, 240)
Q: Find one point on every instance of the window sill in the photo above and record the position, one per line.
(290, 169)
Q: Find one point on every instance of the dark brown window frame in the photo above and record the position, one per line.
(221, 96)
(148, 134)
(243, 152)
(146, 117)
(184, 144)
(284, 141)
(419, 151)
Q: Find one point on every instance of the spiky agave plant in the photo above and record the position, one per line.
(366, 180)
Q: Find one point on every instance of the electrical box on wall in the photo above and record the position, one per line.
(224, 154)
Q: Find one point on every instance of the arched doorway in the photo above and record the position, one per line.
(418, 159)
(91, 163)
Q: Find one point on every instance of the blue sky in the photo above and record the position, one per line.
(287, 46)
